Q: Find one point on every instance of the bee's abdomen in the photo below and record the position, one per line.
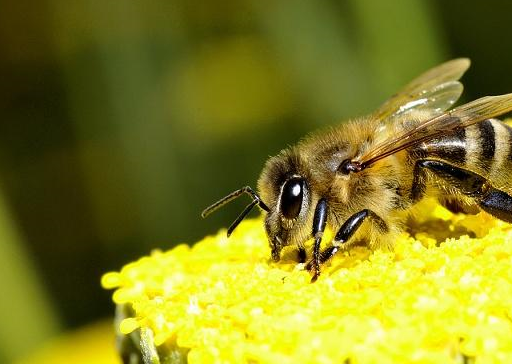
(484, 148)
(452, 148)
(487, 139)
(500, 165)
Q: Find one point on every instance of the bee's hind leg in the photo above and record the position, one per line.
(488, 198)
(498, 204)
(457, 206)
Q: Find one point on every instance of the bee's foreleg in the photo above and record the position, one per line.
(319, 222)
(488, 198)
(345, 232)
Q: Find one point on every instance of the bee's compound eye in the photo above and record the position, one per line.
(291, 198)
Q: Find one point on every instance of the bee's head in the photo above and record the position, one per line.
(285, 194)
(285, 187)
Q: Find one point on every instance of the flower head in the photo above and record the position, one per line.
(441, 296)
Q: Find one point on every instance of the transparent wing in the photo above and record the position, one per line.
(435, 90)
(460, 117)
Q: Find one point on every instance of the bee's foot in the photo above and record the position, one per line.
(309, 265)
(314, 269)
(316, 274)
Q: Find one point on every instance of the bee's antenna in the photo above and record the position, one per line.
(256, 200)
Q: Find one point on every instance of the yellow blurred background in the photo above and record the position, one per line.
(120, 120)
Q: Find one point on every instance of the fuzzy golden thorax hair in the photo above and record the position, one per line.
(316, 159)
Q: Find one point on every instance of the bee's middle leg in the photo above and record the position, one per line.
(350, 226)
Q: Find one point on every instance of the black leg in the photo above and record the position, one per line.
(353, 223)
(346, 231)
(319, 222)
(467, 182)
(457, 206)
(498, 204)
(328, 253)
(302, 254)
(488, 198)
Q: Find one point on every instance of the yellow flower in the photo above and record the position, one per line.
(442, 296)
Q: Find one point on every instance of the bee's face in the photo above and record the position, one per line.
(287, 191)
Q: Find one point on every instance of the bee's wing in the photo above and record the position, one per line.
(435, 90)
(460, 117)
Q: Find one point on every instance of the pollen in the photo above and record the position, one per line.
(442, 295)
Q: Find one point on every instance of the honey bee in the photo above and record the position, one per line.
(363, 178)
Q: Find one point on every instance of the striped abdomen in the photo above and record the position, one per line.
(484, 148)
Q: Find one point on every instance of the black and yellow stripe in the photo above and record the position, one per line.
(487, 139)
(451, 148)
(484, 148)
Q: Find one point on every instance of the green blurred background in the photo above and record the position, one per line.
(120, 120)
